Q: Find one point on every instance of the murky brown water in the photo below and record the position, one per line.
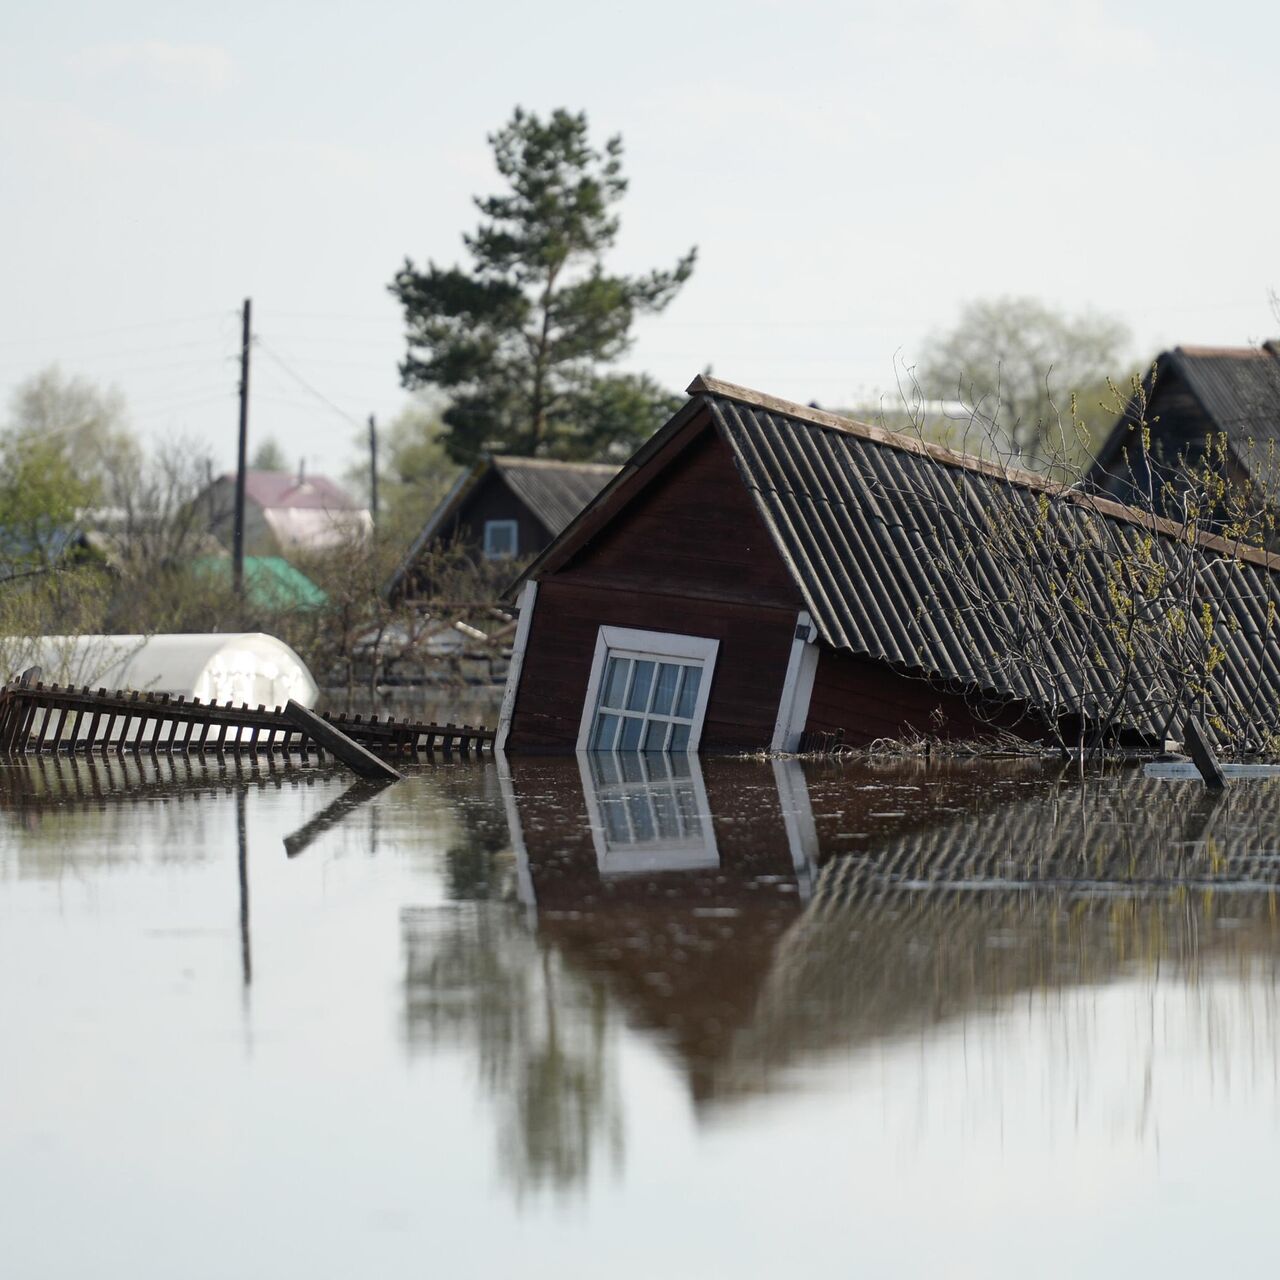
(635, 1020)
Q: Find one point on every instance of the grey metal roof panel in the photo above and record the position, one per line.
(874, 531)
(554, 491)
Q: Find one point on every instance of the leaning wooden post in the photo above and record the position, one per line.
(351, 753)
(1197, 744)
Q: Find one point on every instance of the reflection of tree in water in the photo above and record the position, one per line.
(542, 1034)
(477, 859)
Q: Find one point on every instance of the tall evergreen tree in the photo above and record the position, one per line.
(519, 341)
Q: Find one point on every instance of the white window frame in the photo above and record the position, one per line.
(797, 687)
(528, 598)
(492, 526)
(652, 646)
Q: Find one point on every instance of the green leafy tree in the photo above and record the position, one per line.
(1038, 377)
(41, 495)
(84, 421)
(519, 340)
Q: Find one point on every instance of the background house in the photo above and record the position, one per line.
(286, 513)
(503, 508)
(1190, 394)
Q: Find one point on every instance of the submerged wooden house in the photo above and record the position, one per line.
(762, 575)
(502, 508)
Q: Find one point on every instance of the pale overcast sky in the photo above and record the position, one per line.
(851, 174)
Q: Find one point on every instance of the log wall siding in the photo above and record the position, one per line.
(697, 530)
(691, 557)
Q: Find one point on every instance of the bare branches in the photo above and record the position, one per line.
(1100, 622)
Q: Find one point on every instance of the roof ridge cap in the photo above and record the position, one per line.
(869, 431)
(1200, 351)
(1229, 548)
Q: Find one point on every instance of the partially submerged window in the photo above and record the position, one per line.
(648, 691)
(501, 539)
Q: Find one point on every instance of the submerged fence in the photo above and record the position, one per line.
(54, 719)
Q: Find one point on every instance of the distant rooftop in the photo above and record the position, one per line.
(286, 489)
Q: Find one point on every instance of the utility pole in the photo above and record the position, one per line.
(373, 466)
(237, 538)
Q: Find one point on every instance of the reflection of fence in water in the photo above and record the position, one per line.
(110, 811)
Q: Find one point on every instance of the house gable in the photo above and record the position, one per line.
(687, 555)
(492, 498)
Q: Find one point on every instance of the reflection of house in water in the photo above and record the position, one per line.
(1060, 888)
(757, 919)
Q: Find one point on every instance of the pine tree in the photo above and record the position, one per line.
(520, 341)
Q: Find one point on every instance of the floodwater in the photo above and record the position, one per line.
(635, 1019)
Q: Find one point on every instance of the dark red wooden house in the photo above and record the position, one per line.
(761, 575)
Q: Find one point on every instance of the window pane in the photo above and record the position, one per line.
(664, 812)
(615, 682)
(655, 736)
(499, 539)
(606, 728)
(688, 808)
(630, 737)
(664, 695)
(632, 768)
(604, 769)
(641, 818)
(639, 699)
(689, 692)
(614, 813)
(679, 738)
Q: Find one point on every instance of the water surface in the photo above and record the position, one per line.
(634, 1018)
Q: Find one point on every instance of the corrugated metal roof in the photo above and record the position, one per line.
(879, 533)
(554, 491)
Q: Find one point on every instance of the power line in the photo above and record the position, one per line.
(306, 386)
(108, 333)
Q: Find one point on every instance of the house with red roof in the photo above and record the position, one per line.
(287, 513)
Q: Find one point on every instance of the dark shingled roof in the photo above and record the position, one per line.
(554, 491)
(1238, 386)
(870, 524)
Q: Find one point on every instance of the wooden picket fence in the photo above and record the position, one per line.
(59, 719)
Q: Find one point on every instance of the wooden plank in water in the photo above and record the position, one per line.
(1201, 753)
(351, 753)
